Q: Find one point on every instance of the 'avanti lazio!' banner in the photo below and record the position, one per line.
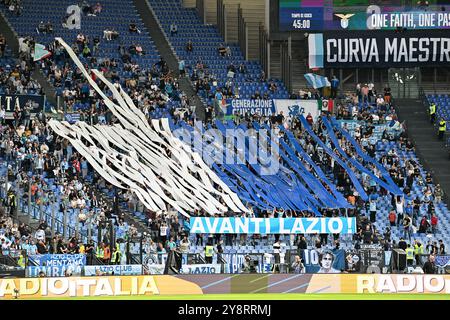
(272, 225)
(357, 49)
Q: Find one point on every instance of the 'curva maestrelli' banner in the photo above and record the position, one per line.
(371, 49)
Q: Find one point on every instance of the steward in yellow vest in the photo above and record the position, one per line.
(409, 255)
(432, 112)
(442, 128)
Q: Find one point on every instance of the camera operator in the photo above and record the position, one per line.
(298, 266)
(249, 265)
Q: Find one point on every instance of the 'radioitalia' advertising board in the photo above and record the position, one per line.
(272, 225)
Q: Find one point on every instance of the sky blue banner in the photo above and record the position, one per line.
(72, 117)
(253, 106)
(272, 225)
(58, 260)
(54, 271)
(351, 125)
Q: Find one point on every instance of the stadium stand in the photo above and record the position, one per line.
(205, 61)
(355, 161)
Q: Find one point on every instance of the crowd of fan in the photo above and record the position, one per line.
(16, 78)
(14, 6)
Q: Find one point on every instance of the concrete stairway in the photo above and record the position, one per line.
(430, 150)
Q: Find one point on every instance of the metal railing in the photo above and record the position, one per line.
(200, 6)
(222, 19)
(242, 33)
(264, 50)
(286, 66)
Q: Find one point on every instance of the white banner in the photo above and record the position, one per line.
(122, 270)
(201, 268)
(155, 268)
(292, 108)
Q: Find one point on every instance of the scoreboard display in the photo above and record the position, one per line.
(323, 15)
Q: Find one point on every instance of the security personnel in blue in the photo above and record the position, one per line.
(442, 128)
(432, 112)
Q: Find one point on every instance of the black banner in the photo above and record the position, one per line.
(10, 101)
(385, 49)
(372, 258)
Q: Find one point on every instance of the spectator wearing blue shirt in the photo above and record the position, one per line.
(334, 87)
(84, 167)
(409, 212)
(181, 68)
(373, 209)
(218, 103)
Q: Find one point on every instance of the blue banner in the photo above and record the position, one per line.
(262, 107)
(58, 260)
(72, 117)
(442, 260)
(326, 261)
(272, 225)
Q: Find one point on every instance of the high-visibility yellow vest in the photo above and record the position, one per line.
(421, 250)
(442, 125)
(115, 257)
(409, 253)
(432, 109)
(99, 253)
(209, 250)
(416, 249)
(21, 261)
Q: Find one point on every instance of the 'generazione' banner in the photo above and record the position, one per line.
(384, 49)
(272, 225)
(267, 108)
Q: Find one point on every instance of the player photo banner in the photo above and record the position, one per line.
(272, 225)
(387, 49)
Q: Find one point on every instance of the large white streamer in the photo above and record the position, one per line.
(137, 152)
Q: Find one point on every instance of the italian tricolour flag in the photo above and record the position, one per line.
(325, 104)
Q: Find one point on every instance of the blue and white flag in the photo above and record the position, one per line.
(40, 52)
(317, 81)
(315, 45)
